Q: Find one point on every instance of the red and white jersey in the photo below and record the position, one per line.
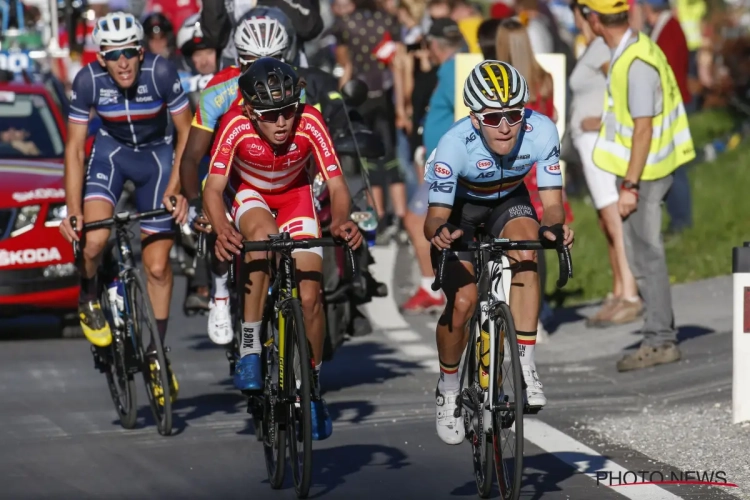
(240, 151)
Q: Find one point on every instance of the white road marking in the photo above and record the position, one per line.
(402, 335)
(570, 451)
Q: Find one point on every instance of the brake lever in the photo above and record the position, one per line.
(76, 244)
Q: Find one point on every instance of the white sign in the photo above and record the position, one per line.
(14, 61)
(29, 256)
(39, 194)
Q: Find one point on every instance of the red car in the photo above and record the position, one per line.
(37, 272)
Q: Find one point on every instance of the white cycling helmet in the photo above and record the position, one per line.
(190, 36)
(261, 37)
(117, 28)
(495, 84)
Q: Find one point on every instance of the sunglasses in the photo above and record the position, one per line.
(495, 118)
(272, 115)
(114, 54)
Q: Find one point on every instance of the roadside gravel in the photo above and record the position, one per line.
(688, 438)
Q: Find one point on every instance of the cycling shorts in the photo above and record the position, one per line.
(294, 208)
(149, 169)
(468, 215)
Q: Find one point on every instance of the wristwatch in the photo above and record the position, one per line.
(631, 186)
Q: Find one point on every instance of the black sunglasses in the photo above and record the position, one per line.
(114, 54)
(272, 115)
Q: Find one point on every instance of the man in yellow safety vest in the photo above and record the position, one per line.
(644, 136)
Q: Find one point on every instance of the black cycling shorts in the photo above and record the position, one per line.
(468, 215)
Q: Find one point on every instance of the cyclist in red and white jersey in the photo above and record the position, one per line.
(261, 157)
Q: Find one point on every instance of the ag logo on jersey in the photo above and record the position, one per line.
(484, 164)
(442, 170)
(553, 169)
(554, 153)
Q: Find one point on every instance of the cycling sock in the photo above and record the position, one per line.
(449, 377)
(88, 290)
(526, 343)
(427, 286)
(221, 288)
(250, 338)
(161, 325)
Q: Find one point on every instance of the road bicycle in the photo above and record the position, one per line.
(281, 411)
(492, 386)
(133, 326)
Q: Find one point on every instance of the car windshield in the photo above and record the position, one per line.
(28, 128)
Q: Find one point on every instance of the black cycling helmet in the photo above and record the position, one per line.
(270, 84)
(157, 23)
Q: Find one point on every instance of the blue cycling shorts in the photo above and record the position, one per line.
(149, 169)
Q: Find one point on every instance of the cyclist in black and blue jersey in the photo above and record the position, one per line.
(132, 93)
(476, 178)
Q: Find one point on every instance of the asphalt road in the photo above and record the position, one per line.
(59, 436)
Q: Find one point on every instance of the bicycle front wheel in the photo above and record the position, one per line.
(477, 433)
(507, 428)
(297, 383)
(154, 365)
(268, 427)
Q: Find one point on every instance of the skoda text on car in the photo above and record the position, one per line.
(36, 264)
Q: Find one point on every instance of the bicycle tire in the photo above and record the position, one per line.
(162, 413)
(299, 418)
(481, 445)
(120, 381)
(509, 480)
(272, 432)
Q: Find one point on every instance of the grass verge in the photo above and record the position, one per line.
(719, 224)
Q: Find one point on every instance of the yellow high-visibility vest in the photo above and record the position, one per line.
(690, 13)
(671, 142)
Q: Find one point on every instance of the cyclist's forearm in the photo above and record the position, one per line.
(213, 205)
(182, 124)
(554, 214)
(74, 160)
(197, 146)
(431, 225)
(341, 204)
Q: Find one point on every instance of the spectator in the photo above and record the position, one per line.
(444, 41)
(438, 9)
(487, 37)
(538, 26)
(468, 17)
(644, 137)
(198, 52)
(159, 35)
(667, 33)
(343, 8)
(366, 46)
(501, 10)
(587, 83)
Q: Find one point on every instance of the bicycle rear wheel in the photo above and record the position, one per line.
(476, 428)
(507, 425)
(145, 329)
(268, 427)
(119, 375)
(298, 388)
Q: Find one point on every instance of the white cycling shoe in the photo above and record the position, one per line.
(449, 428)
(220, 322)
(534, 388)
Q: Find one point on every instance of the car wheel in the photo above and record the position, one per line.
(71, 327)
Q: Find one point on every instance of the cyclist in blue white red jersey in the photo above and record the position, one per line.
(134, 94)
(476, 178)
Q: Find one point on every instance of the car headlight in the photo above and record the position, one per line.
(25, 219)
(318, 185)
(56, 213)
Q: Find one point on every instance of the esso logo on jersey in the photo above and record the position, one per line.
(528, 127)
(553, 169)
(442, 171)
(484, 164)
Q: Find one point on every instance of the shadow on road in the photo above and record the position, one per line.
(684, 332)
(364, 363)
(39, 327)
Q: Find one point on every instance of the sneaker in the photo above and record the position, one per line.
(601, 318)
(534, 388)
(156, 388)
(626, 311)
(423, 302)
(220, 322)
(247, 376)
(94, 324)
(322, 426)
(449, 427)
(197, 302)
(647, 356)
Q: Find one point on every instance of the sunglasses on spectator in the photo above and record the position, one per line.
(272, 115)
(114, 54)
(495, 118)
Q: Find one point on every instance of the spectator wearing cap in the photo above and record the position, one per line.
(468, 17)
(668, 35)
(643, 138)
(444, 41)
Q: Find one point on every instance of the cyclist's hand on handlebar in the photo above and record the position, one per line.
(552, 233)
(349, 232)
(179, 210)
(446, 235)
(69, 232)
(228, 242)
(202, 224)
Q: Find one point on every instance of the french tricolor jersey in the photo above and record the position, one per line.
(136, 117)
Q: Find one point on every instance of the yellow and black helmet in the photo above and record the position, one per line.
(495, 84)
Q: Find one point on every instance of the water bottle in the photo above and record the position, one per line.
(369, 227)
(115, 292)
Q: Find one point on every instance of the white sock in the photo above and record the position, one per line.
(250, 339)
(449, 382)
(427, 286)
(317, 367)
(221, 290)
